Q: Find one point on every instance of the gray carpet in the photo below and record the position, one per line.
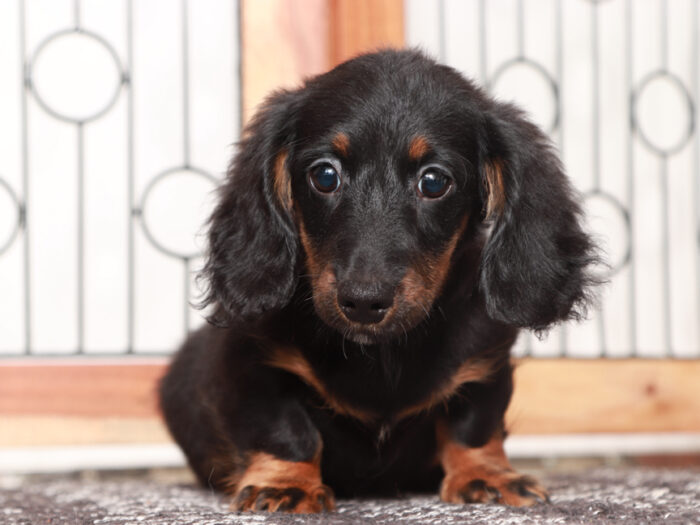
(600, 495)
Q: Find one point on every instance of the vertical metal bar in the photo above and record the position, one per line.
(559, 66)
(186, 293)
(696, 157)
(663, 173)
(76, 14)
(186, 145)
(595, 128)
(81, 240)
(629, 59)
(239, 69)
(130, 175)
(25, 181)
(595, 84)
(482, 43)
(185, 86)
(442, 31)
(665, 249)
(520, 31)
(663, 20)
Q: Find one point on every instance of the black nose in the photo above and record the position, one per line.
(366, 304)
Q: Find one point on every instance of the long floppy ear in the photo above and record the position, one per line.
(536, 262)
(253, 245)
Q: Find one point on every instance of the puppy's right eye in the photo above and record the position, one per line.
(324, 178)
(433, 184)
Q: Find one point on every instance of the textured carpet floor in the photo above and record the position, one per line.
(602, 495)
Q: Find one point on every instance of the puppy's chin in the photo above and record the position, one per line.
(362, 338)
(367, 337)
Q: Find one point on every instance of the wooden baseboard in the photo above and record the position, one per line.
(90, 387)
(96, 402)
(63, 430)
(559, 396)
(86, 402)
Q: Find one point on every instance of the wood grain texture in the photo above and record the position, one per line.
(89, 388)
(284, 41)
(554, 396)
(83, 403)
(358, 26)
(39, 431)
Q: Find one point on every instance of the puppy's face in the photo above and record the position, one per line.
(384, 184)
(376, 176)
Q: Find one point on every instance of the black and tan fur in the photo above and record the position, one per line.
(289, 395)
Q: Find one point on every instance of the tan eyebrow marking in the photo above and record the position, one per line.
(419, 146)
(341, 143)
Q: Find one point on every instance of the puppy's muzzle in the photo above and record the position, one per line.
(365, 303)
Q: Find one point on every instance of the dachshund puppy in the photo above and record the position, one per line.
(382, 234)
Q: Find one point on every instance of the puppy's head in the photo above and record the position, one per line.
(370, 179)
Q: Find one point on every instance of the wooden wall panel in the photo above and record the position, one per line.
(90, 388)
(99, 403)
(91, 401)
(554, 396)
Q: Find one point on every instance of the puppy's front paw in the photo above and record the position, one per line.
(276, 485)
(284, 499)
(505, 487)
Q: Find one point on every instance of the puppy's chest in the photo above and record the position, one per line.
(379, 389)
(395, 392)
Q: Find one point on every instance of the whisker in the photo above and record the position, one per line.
(342, 344)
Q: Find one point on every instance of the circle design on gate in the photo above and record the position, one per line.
(79, 91)
(660, 85)
(172, 214)
(521, 72)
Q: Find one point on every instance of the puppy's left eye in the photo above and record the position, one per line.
(324, 178)
(433, 184)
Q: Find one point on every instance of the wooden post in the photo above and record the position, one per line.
(358, 26)
(285, 41)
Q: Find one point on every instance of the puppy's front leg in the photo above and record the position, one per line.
(470, 449)
(483, 474)
(281, 468)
